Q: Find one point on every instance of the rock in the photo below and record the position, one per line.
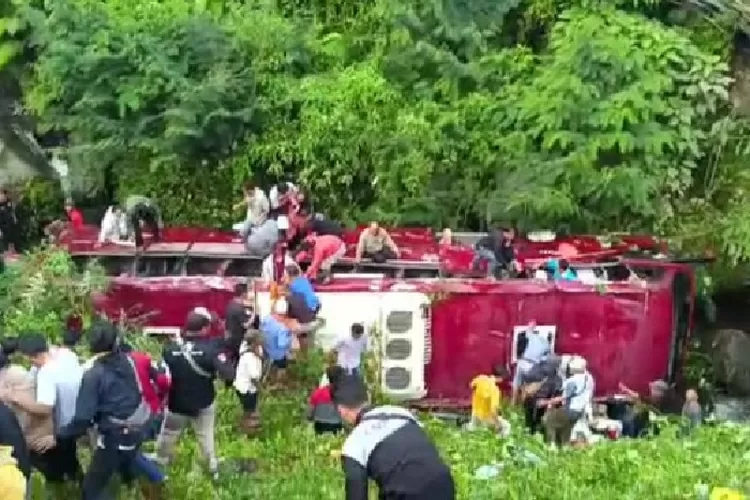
(488, 471)
(730, 354)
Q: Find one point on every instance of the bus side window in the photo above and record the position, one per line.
(116, 265)
(80, 261)
(243, 268)
(203, 266)
(152, 267)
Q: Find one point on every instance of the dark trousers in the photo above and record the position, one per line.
(440, 488)
(559, 425)
(381, 255)
(118, 455)
(10, 235)
(635, 423)
(249, 401)
(532, 415)
(60, 463)
(321, 428)
(147, 215)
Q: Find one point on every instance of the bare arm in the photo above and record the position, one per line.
(390, 243)
(360, 246)
(629, 392)
(30, 406)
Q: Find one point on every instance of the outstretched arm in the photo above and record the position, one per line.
(355, 479)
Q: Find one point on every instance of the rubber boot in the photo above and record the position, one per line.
(152, 491)
(244, 424)
(250, 424)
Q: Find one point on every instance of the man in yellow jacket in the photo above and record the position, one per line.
(485, 403)
(12, 480)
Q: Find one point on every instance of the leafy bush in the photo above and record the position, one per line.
(41, 290)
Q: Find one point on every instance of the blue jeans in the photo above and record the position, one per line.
(143, 465)
(484, 254)
(634, 424)
(148, 468)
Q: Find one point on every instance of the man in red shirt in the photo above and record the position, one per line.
(326, 250)
(155, 382)
(321, 410)
(75, 217)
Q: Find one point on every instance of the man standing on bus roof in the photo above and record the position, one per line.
(258, 207)
(142, 212)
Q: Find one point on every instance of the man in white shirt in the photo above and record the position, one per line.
(257, 205)
(58, 379)
(349, 349)
(247, 381)
(267, 273)
(577, 396)
(277, 191)
(114, 227)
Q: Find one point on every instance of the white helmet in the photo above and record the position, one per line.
(203, 312)
(281, 307)
(577, 365)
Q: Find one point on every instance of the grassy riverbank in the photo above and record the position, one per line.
(295, 464)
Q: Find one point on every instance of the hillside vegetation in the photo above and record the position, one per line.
(599, 116)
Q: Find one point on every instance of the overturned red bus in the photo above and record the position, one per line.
(631, 321)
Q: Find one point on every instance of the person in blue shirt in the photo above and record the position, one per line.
(537, 348)
(299, 284)
(560, 270)
(277, 338)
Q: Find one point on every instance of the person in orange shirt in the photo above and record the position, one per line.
(326, 250)
(485, 403)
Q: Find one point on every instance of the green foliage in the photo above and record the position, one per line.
(600, 116)
(190, 195)
(9, 47)
(294, 463)
(42, 201)
(617, 112)
(40, 291)
(141, 82)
